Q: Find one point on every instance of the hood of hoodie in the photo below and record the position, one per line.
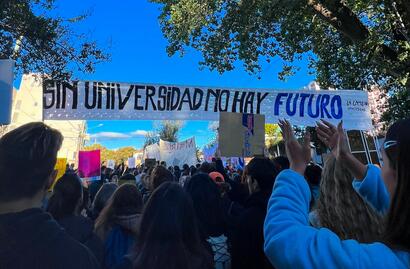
(78, 227)
(20, 232)
(129, 222)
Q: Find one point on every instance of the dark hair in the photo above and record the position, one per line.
(169, 227)
(66, 198)
(206, 168)
(263, 171)
(192, 170)
(397, 232)
(102, 197)
(208, 205)
(281, 163)
(126, 200)
(158, 176)
(313, 174)
(34, 145)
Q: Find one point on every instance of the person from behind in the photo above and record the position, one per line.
(30, 237)
(281, 163)
(212, 217)
(118, 223)
(341, 209)
(101, 199)
(313, 175)
(247, 239)
(169, 235)
(65, 205)
(158, 176)
(290, 242)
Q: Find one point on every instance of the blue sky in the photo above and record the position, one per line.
(131, 30)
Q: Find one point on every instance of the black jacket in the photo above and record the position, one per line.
(247, 239)
(82, 230)
(32, 239)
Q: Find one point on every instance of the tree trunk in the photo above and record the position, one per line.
(342, 18)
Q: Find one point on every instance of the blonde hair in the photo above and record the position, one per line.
(341, 209)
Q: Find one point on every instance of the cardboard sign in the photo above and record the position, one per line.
(61, 168)
(241, 135)
(95, 100)
(150, 162)
(89, 165)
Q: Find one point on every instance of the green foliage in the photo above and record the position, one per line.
(399, 107)
(272, 137)
(349, 43)
(165, 130)
(45, 43)
(119, 155)
(360, 36)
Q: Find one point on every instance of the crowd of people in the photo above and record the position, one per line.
(286, 212)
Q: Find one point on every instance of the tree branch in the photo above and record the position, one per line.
(342, 18)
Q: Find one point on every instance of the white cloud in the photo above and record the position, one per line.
(110, 135)
(139, 133)
(213, 125)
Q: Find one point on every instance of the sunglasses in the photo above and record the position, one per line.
(389, 144)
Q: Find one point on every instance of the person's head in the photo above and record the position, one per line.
(260, 175)
(33, 146)
(217, 177)
(313, 174)
(396, 173)
(208, 205)
(341, 209)
(164, 164)
(198, 165)
(176, 168)
(102, 197)
(192, 170)
(169, 225)
(281, 163)
(158, 176)
(67, 197)
(206, 168)
(125, 201)
(185, 167)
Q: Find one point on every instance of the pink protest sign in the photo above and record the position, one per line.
(89, 164)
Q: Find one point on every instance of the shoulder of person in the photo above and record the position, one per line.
(69, 253)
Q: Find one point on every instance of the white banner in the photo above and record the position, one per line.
(131, 162)
(92, 100)
(178, 153)
(152, 152)
(111, 164)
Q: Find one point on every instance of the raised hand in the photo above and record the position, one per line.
(334, 138)
(299, 154)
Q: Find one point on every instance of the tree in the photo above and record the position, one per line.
(344, 35)
(166, 130)
(349, 43)
(45, 43)
(119, 155)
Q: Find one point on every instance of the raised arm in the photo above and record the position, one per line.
(335, 139)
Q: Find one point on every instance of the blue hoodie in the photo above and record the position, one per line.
(291, 243)
(373, 190)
